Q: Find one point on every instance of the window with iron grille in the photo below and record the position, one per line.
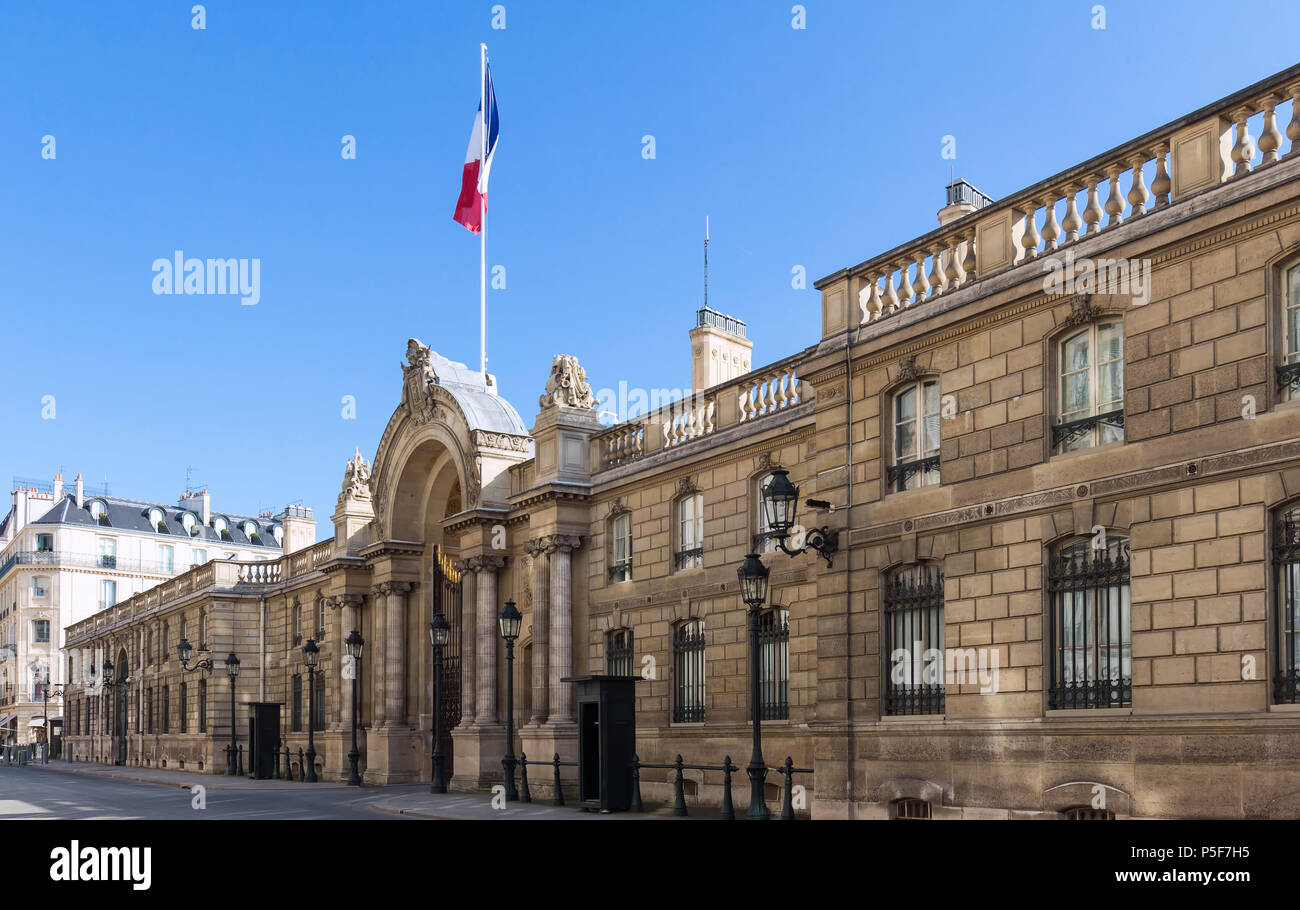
(911, 810)
(185, 704)
(297, 624)
(618, 652)
(913, 607)
(148, 710)
(774, 664)
(1286, 594)
(1089, 814)
(320, 619)
(1090, 630)
(688, 671)
(295, 725)
(203, 706)
(690, 531)
(166, 709)
(620, 567)
(318, 706)
(1091, 404)
(1288, 374)
(916, 437)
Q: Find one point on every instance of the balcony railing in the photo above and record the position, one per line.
(1288, 379)
(60, 558)
(1218, 144)
(1065, 435)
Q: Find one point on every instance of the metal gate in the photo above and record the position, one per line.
(122, 711)
(446, 600)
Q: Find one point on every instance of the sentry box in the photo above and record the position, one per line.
(606, 740)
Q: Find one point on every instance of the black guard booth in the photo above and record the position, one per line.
(606, 740)
(263, 738)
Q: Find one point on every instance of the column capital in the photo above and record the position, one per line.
(394, 587)
(465, 565)
(562, 543)
(535, 547)
(490, 562)
(339, 601)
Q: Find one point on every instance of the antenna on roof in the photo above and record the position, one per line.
(706, 260)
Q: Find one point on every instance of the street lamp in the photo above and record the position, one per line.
(780, 503)
(510, 620)
(310, 655)
(753, 577)
(232, 670)
(439, 635)
(45, 713)
(185, 651)
(354, 645)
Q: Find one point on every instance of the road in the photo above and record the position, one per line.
(30, 793)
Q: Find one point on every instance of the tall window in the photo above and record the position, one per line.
(41, 631)
(688, 670)
(148, 710)
(296, 717)
(618, 652)
(166, 558)
(297, 623)
(774, 664)
(41, 586)
(1288, 374)
(107, 553)
(203, 628)
(914, 643)
(1286, 593)
(203, 706)
(1090, 631)
(690, 531)
(320, 619)
(620, 567)
(185, 704)
(1092, 388)
(166, 709)
(44, 543)
(916, 437)
(107, 593)
(318, 706)
(200, 557)
(764, 542)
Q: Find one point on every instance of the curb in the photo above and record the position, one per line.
(108, 775)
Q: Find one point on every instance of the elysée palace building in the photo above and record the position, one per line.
(1087, 494)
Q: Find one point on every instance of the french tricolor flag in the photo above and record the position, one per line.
(478, 160)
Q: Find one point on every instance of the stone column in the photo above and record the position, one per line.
(395, 653)
(539, 550)
(487, 635)
(468, 642)
(349, 605)
(379, 604)
(561, 631)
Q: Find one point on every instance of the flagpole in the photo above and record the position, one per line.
(482, 248)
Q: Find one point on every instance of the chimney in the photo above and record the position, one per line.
(299, 525)
(963, 199)
(81, 493)
(719, 349)
(58, 487)
(20, 511)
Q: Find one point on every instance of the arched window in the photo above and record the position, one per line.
(774, 664)
(1090, 626)
(1288, 374)
(911, 810)
(914, 640)
(688, 672)
(320, 618)
(296, 716)
(1091, 403)
(618, 653)
(203, 706)
(1286, 566)
(190, 522)
(764, 541)
(620, 565)
(915, 428)
(690, 531)
(297, 623)
(1088, 814)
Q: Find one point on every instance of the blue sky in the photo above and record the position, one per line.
(816, 147)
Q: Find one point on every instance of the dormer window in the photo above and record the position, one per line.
(278, 532)
(98, 511)
(190, 522)
(223, 530)
(156, 517)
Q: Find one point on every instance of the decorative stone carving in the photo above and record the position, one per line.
(356, 480)
(1082, 311)
(504, 442)
(686, 485)
(907, 371)
(418, 382)
(567, 386)
(767, 462)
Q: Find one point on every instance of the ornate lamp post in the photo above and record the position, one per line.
(109, 684)
(510, 620)
(354, 645)
(232, 670)
(310, 656)
(753, 590)
(439, 635)
(780, 502)
(185, 651)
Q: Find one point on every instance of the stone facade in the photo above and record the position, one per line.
(1177, 477)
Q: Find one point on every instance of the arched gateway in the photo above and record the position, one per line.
(441, 463)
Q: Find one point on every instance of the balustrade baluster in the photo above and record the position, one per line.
(922, 284)
(937, 281)
(1137, 192)
(905, 286)
(891, 296)
(1072, 222)
(1092, 212)
(1244, 148)
(1030, 239)
(873, 300)
(1270, 140)
(1115, 201)
(1051, 230)
(1293, 128)
(1161, 184)
(970, 262)
(952, 270)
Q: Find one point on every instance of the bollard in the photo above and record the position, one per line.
(728, 810)
(275, 773)
(636, 805)
(302, 767)
(679, 797)
(558, 798)
(288, 764)
(241, 759)
(787, 800)
(524, 795)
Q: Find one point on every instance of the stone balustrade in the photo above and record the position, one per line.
(1224, 141)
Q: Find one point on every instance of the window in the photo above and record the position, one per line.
(1286, 593)
(297, 623)
(1090, 630)
(200, 557)
(1288, 374)
(107, 593)
(203, 629)
(190, 522)
(148, 709)
(295, 725)
(620, 568)
(107, 553)
(44, 543)
(41, 631)
(690, 531)
(320, 619)
(318, 705)
(774, 664)
(185, 720)
(40, 586)
(911, 810)
(1088, 814)
(163, 647)
(98, 511)
(166, 709)
(688, 670)
(618, 652)
(203, 706)
(219, 525)
(914, 645)
(166, 558)
(916, 437)
(1092, 388)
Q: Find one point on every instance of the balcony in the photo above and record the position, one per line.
(59, 558)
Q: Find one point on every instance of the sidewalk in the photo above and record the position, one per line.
(182, 779)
